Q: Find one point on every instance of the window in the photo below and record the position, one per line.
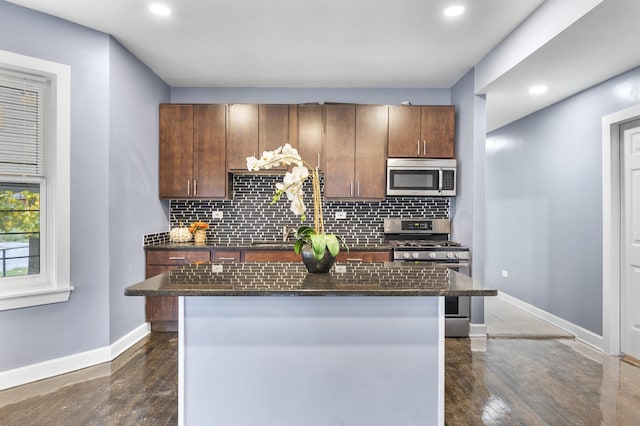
(34, 182)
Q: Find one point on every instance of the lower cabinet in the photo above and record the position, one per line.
(271, 256)
(364, 256)
(162, 311)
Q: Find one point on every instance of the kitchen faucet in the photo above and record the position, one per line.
(286, 231)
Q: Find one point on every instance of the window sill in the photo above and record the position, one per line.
(34, 297)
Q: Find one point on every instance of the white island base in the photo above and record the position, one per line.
(293, 361)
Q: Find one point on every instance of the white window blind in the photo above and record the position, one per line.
(21, 132)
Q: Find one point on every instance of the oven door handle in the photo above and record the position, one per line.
(439, 180)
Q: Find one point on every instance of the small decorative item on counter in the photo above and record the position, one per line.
(199, 231)
(318, 248)
(180, 235)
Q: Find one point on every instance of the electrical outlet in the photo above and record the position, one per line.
(216, 215)
(505, 274)
(341, 215)
(216, 268)
(341, 269)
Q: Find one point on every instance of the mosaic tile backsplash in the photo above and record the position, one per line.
(250, 216)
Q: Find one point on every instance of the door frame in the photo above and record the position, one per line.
(611, 226)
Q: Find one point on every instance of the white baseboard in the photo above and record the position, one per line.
(477, 330)
(67, 364)
(583, 335)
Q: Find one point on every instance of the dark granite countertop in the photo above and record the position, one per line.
(292, 279)
(257, 245)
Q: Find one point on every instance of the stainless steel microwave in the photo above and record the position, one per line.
(421, 177)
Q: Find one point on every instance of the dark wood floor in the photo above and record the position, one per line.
(515, 381)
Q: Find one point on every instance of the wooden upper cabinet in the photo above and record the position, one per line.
(209, 171)
(273, 128)
(176, 150)
(371, 151)
(355, 150)
(310, 119)
(192, 151)
(242, 135)
(438, 131)
(339, 139)
(421, 131)
(404, 131)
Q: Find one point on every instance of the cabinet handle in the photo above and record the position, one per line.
(188, 187)
(318, 163)
(354, 259)
(440, 180)
(195, 187)
(226, 258)
(358, 188)
(177, 258)
(351, 189)
(424, 147)
(418, 147)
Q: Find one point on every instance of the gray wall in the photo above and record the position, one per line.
(295, 96)
(544, 203)
(36, 334)
(467, 209)
(134, 204)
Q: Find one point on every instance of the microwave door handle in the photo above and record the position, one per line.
(439, 180)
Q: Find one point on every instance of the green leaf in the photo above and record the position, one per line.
(333, 245)
(318, 243)
(298, 246)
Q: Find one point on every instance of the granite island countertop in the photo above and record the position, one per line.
(257, 245)
(292, 279)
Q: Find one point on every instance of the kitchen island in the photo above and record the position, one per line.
(362, 345)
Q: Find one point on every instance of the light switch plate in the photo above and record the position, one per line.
(341, 269)
(216, 215)
(341, 215)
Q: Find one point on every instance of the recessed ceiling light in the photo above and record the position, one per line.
(452, 11)
(537, 90)
(159, 9)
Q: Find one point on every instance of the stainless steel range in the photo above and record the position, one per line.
(427, 240)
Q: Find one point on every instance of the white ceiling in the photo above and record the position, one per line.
(349, 43)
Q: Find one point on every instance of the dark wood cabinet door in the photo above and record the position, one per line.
(242, 135)
(438, 131)
(209, 144)
(310, 118)
(273, 128)
(404, 131)
(371, 151)
(339, 138)
(271, 256)
(222, 255)
(176, 150)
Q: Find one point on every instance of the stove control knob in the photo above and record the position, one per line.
(415, 255)
(450, 255)
(457, 255)
(432, 255)
(406, 255)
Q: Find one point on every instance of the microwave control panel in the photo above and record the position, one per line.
(448, 180)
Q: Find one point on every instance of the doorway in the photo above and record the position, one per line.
(616, 226)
